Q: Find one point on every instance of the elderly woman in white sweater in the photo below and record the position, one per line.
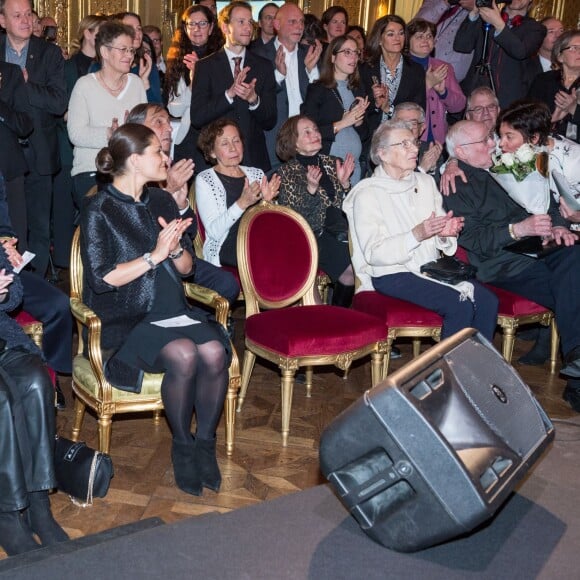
(397, 224)
(226, 190)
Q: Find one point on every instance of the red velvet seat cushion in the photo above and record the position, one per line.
(393, 312)
(511, 304)
(24, 318)
(313, 330)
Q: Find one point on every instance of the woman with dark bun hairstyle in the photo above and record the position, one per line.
(134, 257)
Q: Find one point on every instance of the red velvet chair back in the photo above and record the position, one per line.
(277, 257)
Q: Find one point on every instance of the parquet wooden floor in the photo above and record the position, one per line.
(260, 468)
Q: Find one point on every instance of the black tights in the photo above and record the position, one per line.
(196, 376)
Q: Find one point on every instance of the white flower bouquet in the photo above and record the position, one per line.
(524, 175)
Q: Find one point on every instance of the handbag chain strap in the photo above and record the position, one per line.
(92, 473)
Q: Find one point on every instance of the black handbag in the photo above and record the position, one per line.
(449, 269)
(81, 472)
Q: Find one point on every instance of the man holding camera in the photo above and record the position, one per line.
(507, 61)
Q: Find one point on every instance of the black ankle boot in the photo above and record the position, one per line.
(540, 352)
(60, 398)
(342, 295)
(187, 476)
(41, 520)
(206, 460)
(572, 394)
(16, 537)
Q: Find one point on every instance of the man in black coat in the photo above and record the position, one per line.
(15, 124)
(294, 65)
(493, 220)
(42, 65)
(248, 96)
(513, 43)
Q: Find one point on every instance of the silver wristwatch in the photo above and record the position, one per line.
(149, 260)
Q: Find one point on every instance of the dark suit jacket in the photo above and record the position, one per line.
(512, 56)
(268, 51)
(323, 107)
(488, 211)
(15, 123)
(213, 76)
(412, 88)
(46, 99)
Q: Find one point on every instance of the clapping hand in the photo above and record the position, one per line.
(12, 253)
(280, 60)
(453, 226)
(432, 226)
(428, 160)
(344, 170)
(313, 175)
(5, 281)
(178, 175)
(435, 77)
(250, 194)
(169, 237)
(145, 66)
(270, 188)
(313, 55)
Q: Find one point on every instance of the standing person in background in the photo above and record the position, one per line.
(295, 67)
(266, 30)
(360, 36)
(513, 43)
(336, 103)
(237, 84)
(448, 19)
(42, 65)
(156, 37)
(334, 22)
(100, 101)
(555, 29)
(198, 36)
(444, 95)
(389, 77)
(211, 4)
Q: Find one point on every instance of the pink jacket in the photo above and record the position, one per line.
(454, 102)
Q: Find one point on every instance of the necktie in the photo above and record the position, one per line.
(237, 66)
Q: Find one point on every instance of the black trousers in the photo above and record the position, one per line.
(218, 279)
(27, 428)
(554, 282)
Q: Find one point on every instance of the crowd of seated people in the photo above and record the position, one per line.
(347, 125)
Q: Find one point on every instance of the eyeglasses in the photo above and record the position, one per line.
(348, 52)
(479, 110)
(406, 143)
(124, 49)
(200, 24)
(423, 36)
(572, 47)
(488, 137)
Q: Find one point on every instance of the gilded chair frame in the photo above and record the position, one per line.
(107, 400)
(303, 296)
(34, 331)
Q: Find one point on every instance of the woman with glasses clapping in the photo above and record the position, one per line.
(337, 104)
(100, 101)
(397, 224)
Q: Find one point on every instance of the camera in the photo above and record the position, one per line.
(489, 3)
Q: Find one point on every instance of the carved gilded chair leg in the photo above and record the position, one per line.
(509, 336)
(79, 415)
(376, 368)
(286, 388)
(157, 417)
(387, 357)
(416, 347)
(230, 413)
(105, 427)
(247, 368)
(554, 345)
(309, 374)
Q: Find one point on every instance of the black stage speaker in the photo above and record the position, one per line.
(436, 448)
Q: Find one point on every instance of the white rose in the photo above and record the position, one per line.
(525, 153)
(507, 159)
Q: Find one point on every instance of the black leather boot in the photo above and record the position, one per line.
(16, 537)
(206, 460)
(342, 295)
(187, 475)
(41, 520)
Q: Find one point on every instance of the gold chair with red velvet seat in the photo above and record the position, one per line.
(278, 259)
(402, 319)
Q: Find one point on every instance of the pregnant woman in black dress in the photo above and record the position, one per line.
(134, 257)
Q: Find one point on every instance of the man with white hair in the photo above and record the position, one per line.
(493, 220)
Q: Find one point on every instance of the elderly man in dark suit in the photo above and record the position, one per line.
(237, 84)
(15, 124)
(42, 65)
(493, 220)
(514, 41)
(295, 67)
